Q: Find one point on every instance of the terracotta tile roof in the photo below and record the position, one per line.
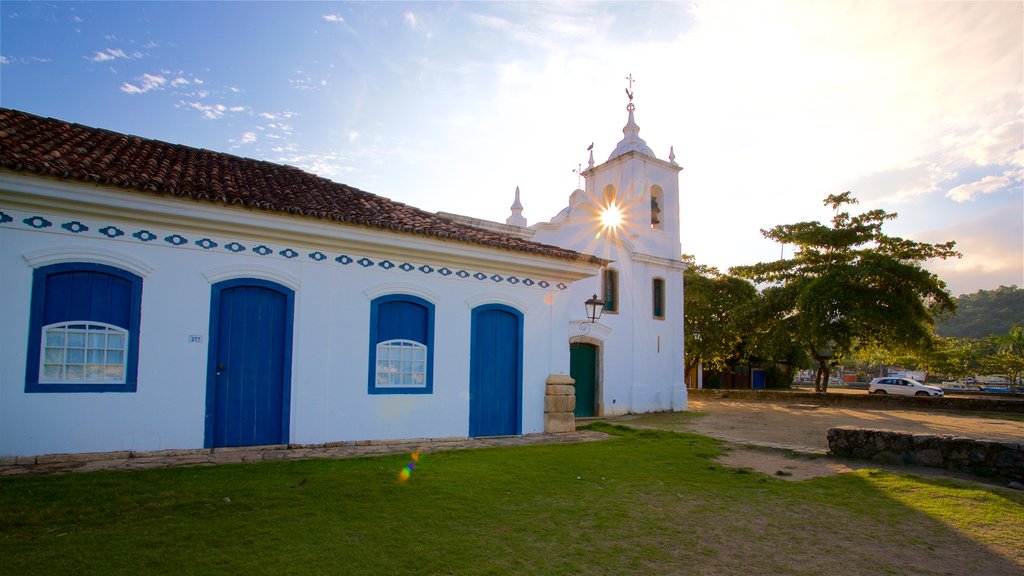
(50, 147)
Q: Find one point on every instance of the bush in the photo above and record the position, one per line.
(712, 381)
(775, 379)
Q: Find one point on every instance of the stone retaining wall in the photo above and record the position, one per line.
(985, 458)
(1013, 404)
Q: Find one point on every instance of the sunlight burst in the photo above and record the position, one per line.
(611, 217)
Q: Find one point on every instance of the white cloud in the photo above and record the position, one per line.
(179, 81)
(987, 185)
(209, 111)
(333, 17)
(992, 247)
(353, 136)
(145, 83)
(248, 137)
(113, 54)
(5, 60)
(410, 19)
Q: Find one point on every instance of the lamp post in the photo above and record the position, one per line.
(594, 306)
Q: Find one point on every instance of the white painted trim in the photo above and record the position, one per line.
(496, 298)
(251, 271)
(64, 254)
(595, 330)
(386, 288)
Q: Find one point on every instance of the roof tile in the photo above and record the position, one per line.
(50, 147)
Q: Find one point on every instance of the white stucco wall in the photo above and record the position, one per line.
(329, 398)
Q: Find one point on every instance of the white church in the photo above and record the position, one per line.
(162, 297)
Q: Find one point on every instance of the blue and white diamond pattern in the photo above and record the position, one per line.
(75, 227)
(113, 232)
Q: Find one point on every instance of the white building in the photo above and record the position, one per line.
(631, 360)
(157, 296)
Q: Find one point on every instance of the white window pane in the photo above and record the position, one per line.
(115, 357)
(76, 339)
(93, 372)
(97, 340)
(75, 373)
(53, 371)
(115, 341)
(76, 356)
(115, 373)
(55, 337)
(95, 356)
(54, 356)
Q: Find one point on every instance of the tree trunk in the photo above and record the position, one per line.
(821, 377)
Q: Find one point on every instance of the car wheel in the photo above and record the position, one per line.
(921, 394)
(879, 391)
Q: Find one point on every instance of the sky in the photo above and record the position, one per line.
(916, 108)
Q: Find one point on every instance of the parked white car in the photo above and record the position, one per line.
(902, 387)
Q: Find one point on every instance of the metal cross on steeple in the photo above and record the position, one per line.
(629, 91)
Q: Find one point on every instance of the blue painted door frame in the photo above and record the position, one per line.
(496, 371)
(248, 389)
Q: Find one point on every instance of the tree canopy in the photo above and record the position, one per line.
(849, 285)
(717, 311)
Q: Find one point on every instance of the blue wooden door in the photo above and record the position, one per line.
(249, 372)
(496, 371)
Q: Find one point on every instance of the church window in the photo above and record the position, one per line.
(610, 290)
(657, 208)
(401, 345)
(658, 298)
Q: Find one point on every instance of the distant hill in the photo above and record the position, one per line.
(984, 313)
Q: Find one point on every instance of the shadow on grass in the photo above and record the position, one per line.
(643, 502)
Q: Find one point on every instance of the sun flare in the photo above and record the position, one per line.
(611, 217)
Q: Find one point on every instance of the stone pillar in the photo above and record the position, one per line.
(559, 402)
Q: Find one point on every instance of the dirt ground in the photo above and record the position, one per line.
(788, 440)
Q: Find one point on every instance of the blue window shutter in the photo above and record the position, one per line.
(402, 319)
(95, 296)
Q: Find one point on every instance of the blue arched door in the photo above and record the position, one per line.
(248, 391)
(496, 371)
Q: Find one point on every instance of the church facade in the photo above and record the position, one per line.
(162, 297)
(631, 359)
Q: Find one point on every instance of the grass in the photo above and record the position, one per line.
(645, 502)
(1003, 416)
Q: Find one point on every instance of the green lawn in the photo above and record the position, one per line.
(645, 502)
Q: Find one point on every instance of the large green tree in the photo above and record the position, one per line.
(718, 308)
(849, 285)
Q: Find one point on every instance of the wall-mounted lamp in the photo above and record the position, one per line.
(594, 308)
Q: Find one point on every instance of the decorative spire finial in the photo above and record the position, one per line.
(631, 140)
(516, 219)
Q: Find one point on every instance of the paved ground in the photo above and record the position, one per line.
(788, 438)
(802, 426)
